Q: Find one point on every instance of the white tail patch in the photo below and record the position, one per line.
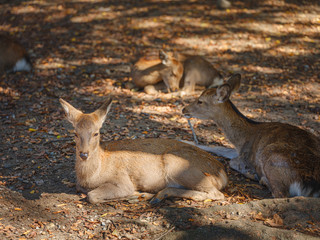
(22, 65)
(229, 153)
(223, 179)
(297, 189)
(216, 82)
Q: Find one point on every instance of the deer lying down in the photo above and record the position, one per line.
(285, 158)
(197, 71)
(13, 56)
(177, 71)
(117, 169)
(155, 74)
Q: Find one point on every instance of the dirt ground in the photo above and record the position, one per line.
(83, 50)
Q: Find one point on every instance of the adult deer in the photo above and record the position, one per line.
(117, 169)
(285, 158)
(13, 56)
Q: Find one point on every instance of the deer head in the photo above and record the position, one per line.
(174, 71)
(86, 126)
(206, 106)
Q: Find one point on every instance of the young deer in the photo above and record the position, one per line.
(13, 57)
(149, 74)
(117, 169)
(285, 158)
(177, 71)
(196, 71)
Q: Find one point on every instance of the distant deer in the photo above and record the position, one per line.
(177, 71)
(117, 169)
(149, 74)
(197, 71)
(285, 158)
(13, 56)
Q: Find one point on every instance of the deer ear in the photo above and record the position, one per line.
(223, 93)
(72, 113)
(104, 109)
(234, 82)
(163, 57)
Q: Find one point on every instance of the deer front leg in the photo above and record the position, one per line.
(241, 167)
(81, 189)
(110, 191)
(195, 195)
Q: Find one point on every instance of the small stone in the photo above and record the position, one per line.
(50, 226)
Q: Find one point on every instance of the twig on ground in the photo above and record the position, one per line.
(165, 233)
(193, 133)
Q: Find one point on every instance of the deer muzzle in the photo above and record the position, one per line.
(84, 156)
(185, 113)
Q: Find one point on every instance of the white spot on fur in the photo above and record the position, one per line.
(22, 65)
(224, 179)
(296, 189)
(217, 81)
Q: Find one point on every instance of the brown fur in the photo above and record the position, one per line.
(177, 71)
(284, 157)
(163, 166)
(10, 52)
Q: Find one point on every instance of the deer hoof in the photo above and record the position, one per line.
(155, 200)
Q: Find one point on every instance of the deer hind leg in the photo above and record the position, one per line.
(150, 89)
(214, 194)
(240, 166)
(189, 83)
(110, 191)
(156, 88)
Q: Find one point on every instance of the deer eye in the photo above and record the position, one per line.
(96, 134)
(200, 102)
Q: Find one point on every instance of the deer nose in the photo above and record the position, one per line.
(84, 156)
(185, 113)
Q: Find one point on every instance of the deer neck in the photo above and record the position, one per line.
(234, 124)
(87, 169)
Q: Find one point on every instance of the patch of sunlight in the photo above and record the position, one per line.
(51, 63)
(87, 1)
(60, 14)
(196, 22)
(295, 50)
(301, 17)
(266, 70)
(234, 44)
(155, 110)
(99, 14)
(5, 27)
(25, 9)
(146, 23)
(12, 30)
(101, 60)
(277, 29)
(9, 92)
